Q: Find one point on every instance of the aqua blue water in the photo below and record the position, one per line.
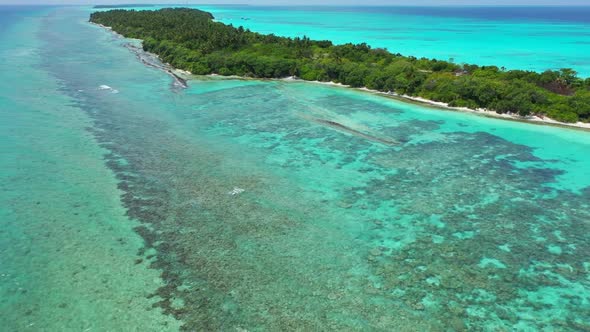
(234, 205)
(528, 38)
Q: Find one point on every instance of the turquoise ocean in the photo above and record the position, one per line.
(528, 38)
(128, 204)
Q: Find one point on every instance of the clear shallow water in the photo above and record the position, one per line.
(68, 253)
(465, 223)
(529, 38)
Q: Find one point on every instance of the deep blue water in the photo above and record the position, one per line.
(8, 14)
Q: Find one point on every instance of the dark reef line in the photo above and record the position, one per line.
(346, 129)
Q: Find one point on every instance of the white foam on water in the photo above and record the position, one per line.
(236, 191)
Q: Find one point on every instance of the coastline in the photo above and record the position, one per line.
(149, 60)
(185, 75)
(461, 177)
(533, 119)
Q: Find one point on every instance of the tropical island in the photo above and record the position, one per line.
(131, 5)
(190, 39)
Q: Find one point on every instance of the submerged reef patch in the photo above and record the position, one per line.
(335, 230)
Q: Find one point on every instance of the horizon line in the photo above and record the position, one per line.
(296, 5)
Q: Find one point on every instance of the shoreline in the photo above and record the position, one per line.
(139, 53)
(533, 119)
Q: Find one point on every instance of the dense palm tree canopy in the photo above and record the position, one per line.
(190, 39)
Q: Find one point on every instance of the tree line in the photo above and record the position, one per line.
(190, 39)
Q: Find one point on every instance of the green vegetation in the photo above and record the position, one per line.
(123, 6)
(189, 39)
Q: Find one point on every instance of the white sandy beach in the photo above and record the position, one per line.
(534, 119)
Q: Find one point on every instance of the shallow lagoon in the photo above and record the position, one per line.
(465, 222)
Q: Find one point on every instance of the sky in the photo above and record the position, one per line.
(312, 2)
